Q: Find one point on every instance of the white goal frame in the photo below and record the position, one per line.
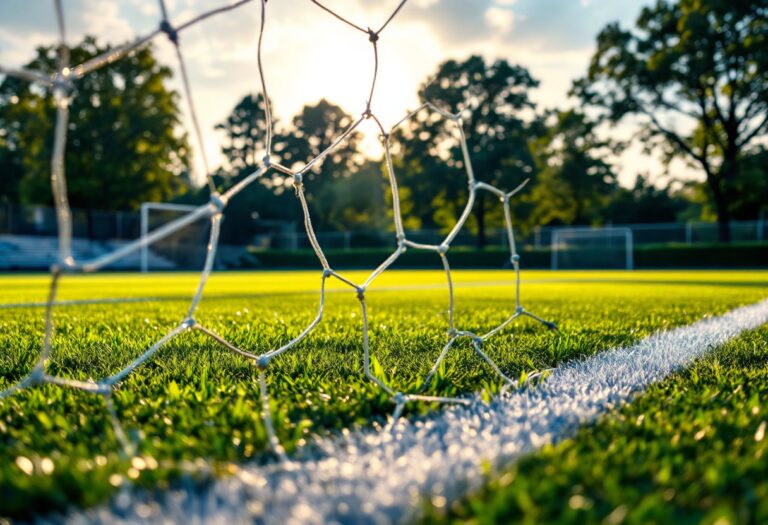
(588, 232)
(145, 209)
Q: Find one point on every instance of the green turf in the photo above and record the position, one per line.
(195, 401)
(692, 449)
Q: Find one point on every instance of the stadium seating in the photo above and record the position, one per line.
(27, 252)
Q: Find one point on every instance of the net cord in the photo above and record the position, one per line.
(61, 83)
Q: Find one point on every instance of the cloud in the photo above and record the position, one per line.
(453, 20)
(102, 17)
(500, 19)
(552, 25)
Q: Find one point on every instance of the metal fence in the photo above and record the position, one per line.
(688, 233)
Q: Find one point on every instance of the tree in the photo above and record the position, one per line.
(122, 144)
(696, 72)
(751, 191)
(574, 182)
(313, 130)
(11, 170)
(644, 203)
(245, 130)
(494, 99)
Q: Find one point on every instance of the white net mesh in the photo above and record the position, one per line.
(61, 83)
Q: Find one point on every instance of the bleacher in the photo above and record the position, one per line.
(28, 252)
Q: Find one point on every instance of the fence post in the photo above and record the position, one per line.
(347, 240)
(537, 237)
(760, 226)
(553, 250)
(144, 232)
(689, 233)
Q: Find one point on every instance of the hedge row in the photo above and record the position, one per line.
(645, 257)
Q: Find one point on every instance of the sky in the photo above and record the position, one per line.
(309, 55)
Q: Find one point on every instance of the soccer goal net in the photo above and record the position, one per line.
(592, 248)
(172, 233)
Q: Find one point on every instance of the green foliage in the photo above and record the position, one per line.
(645, 203)
(574, 183)
(122, 144)
(195, 405)
(245, 133)
(700, 63)
(751, 188)
(498, 120)
(313, 131)
(692, 449)
(344, 190)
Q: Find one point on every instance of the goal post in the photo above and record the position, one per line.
(592, 248)
(146, 208)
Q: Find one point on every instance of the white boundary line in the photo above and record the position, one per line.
(382, 477)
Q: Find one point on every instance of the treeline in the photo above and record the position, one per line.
(693, 73)
(510, 141)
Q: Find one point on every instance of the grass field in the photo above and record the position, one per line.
(194, 406)
(692, 449)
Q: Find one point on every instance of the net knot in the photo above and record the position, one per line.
(360, 293)
(367, 113)
(65, 265)
(37, 375)
(519, 310)
(218, 202)
(262, 362)
(267, 161)
(62, 83)
(443, 248)
(103, 389)
(327, 273)
(169, 30)
(373, 36)
(189, 322)
(515, 258)
(400, 398)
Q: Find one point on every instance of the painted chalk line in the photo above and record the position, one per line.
(384, 477)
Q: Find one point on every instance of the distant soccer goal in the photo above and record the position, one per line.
(592, 248)
(183, 249)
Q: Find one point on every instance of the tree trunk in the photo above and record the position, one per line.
(480, 217)
(724, 224)
(719, 185)
(723, 213)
